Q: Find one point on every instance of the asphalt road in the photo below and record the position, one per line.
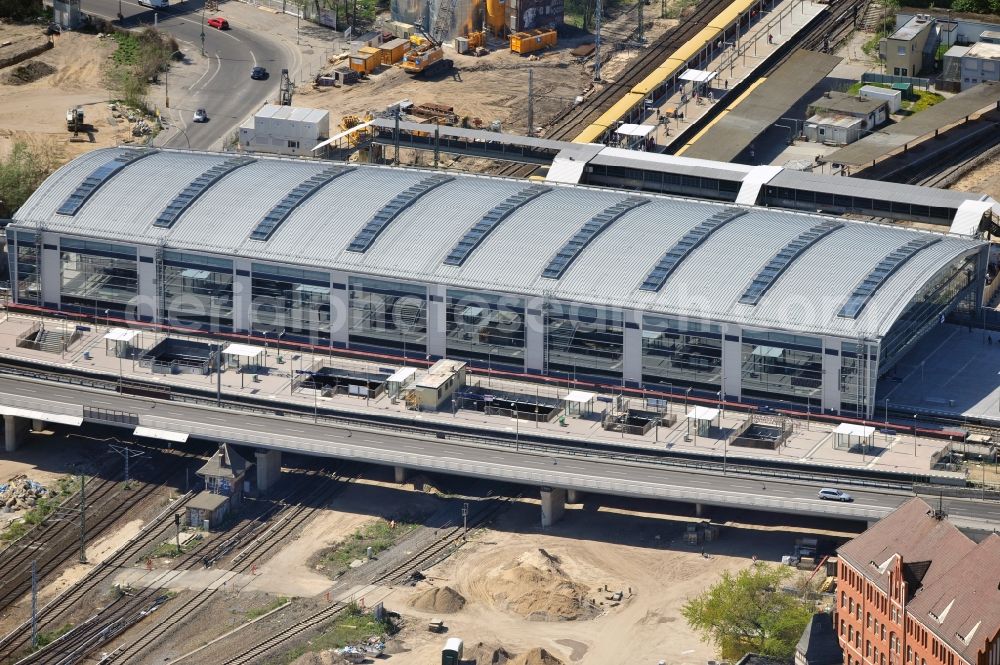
(224, 89)
(450, 456)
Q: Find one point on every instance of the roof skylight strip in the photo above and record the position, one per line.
(199, 186)
(98, 177)
(490, 221)
(866, 290)
(293, 199)
(374, 227)
(586, 234)
(770, 273)
(690, 241)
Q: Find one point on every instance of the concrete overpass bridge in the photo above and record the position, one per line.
(556, 471)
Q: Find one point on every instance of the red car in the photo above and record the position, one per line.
(219, 23)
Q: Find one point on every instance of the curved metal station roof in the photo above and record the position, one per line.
(588, 245)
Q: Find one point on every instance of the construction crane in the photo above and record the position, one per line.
(425, 57)
(285, 89)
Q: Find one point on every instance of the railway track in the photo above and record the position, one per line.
(424, 558)
(257, 542)
(580, 116)
(58, 540)
(55, 612)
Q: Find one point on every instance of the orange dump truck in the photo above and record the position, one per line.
(533, 40)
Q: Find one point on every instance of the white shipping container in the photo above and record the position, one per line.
(894, 97)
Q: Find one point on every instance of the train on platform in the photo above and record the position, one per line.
(703, 47)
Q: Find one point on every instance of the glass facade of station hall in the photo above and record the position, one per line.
(525, 334)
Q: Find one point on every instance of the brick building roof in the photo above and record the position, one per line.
(928, 546)
(963, 607)
(953, 584)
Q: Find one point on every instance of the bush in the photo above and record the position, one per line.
(139, 59)
(21, 10)
(24, 169)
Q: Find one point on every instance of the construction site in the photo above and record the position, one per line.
(439, 556)
(290, 371)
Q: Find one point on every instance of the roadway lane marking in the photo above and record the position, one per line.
(218, 69)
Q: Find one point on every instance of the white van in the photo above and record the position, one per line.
(154, 4)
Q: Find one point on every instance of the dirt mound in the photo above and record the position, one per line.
(487, 654)
(29, 72)
(536, 656)
(439, 599)
(536, 587)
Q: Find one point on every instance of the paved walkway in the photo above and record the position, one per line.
(733, 64)
(811, 442)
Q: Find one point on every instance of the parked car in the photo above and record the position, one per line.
(219, 23)
(831, 494)
(200, 116)
(258, 73)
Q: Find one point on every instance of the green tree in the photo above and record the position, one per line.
(23, 170)
(748, 612)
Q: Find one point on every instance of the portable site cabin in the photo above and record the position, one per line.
(393, 51)
(452, 652)
(440, 382)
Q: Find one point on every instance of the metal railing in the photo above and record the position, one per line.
(526, 442)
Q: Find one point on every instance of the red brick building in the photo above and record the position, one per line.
(914, 590)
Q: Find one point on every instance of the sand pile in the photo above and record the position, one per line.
(443, 600)
(536, 656)
(29, 72)
(536, 587)
(487, 654)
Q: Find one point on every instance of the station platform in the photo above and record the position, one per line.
(954, 371)
(734, 64)
(757, 110)
(811, 442)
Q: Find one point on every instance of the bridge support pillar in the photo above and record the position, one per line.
(268, 469)
(699, 510)
(553, 505)
(399, 474)
(13, 429)
(574, 496)
(37, 425)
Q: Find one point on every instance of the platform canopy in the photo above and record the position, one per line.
(850, 429)
(639, 131)
(702, 413)
(579, 397)
(402, 375)
(698, 75)
(32, 414)
(121, 335)
(243, 350)
(847, 435)
(162, 434)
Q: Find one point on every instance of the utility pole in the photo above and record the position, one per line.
(177, 529)
(597, 42)
(218, 375)
(641, 36)
(83, 520)
(465, 518)
(531, 101)
(127, 453)
(34, 605)
(203, 30)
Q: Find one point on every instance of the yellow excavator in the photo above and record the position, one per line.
(425, 57)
